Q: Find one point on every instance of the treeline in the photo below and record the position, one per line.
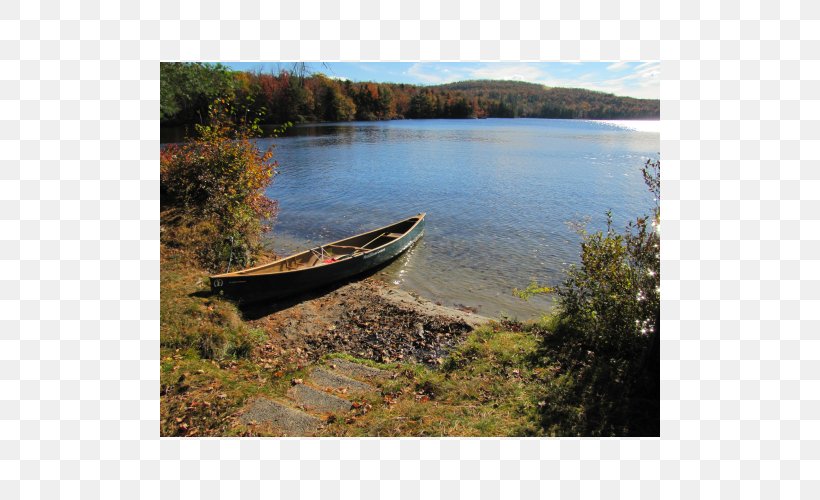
(187, 89)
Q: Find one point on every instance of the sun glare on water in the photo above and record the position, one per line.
(652, 126)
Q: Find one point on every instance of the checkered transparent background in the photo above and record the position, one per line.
(79, 256)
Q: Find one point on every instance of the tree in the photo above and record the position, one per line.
(337, 106)
(295, 95)
(422, 105)
(187, 89)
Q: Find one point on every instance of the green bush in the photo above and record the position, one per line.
(604, 346)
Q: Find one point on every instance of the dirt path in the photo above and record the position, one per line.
(367, 319)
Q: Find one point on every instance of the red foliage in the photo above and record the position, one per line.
(220, 178)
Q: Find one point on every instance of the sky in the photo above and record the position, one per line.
(633, 79)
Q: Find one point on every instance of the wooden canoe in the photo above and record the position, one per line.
(321, 265)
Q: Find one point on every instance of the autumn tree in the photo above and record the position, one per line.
(294, 95)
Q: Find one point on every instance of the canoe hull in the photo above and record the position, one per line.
(274, 286)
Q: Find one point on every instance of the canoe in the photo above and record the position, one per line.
(321, 265)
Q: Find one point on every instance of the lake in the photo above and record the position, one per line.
(499, 194)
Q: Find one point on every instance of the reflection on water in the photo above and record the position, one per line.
(498, 195)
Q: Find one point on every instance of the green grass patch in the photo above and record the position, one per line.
(207, 370)
(484, 388)
(192, 319)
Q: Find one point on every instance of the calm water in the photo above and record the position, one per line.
(498, 196)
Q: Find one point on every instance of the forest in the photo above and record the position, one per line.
(188, 89)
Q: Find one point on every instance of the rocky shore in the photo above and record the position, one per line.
(367, 319)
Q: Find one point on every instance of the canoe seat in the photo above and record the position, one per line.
(394, 235)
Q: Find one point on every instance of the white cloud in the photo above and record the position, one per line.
(643, 82)
(648, 64)
(436, 74)
(617, 66)
(428, 73)
(521, 72)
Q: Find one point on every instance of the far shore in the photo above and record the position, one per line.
(177, 132)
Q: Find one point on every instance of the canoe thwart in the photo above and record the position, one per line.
(374, 239)
(345, 246)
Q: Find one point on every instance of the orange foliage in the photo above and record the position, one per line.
(219, 179)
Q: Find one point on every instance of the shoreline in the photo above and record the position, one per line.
(366, 318)
(170, 134)
(483, 303)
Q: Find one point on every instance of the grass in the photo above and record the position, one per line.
(509, 379)
(209, 371)
(504, 379)
(486, 387)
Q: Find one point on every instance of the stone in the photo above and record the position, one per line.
(316, 401)
(326, 379)
(356, 370)
(283, 419)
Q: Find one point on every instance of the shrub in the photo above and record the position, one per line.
(605, 343)
(218, 181)
(612, 297)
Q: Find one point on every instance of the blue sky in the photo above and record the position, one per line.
(634, 79)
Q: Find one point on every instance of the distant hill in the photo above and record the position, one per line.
(522, 99)
(186, 90)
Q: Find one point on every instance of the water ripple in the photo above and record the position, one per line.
(498, 194)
